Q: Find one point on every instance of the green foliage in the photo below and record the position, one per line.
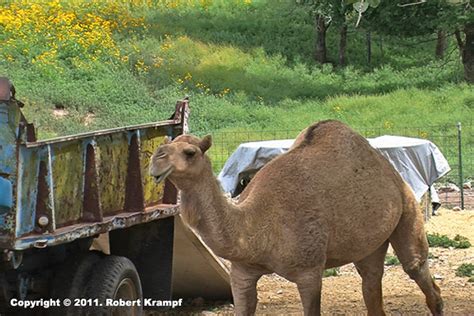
(391, 260)
(216, 69)
(280, 28)
(424, 19)
(465, 270)
(244, 64)
(437, 240)
(331, 272)
(461, 242)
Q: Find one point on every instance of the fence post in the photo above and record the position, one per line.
(461, 178)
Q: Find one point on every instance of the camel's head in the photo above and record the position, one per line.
(181, 160)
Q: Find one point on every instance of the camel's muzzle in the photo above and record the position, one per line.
(161, 177)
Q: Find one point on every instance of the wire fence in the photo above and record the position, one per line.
(456, 144)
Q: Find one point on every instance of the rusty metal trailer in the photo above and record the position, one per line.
(57, 195)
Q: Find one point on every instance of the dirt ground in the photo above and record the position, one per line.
(342, 294)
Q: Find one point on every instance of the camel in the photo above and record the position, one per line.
(330, 200)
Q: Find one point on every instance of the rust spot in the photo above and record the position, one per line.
(42, 198)
(171, 193)
(5, 89)
(30, 133)
(134, 201)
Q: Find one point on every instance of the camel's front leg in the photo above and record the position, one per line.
(244, 288)
(309, 286)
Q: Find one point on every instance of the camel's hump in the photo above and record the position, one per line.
(321, 128)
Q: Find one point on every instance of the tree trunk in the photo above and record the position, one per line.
(320, 54)
(466, 48)
(441, 44)
(468, 53)
(369, 47)
(381, 47)
(342, 45)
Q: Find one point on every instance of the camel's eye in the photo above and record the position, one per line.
(159, 154)
(189, 152)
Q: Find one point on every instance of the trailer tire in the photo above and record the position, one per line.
(71, 280)
(114, 278)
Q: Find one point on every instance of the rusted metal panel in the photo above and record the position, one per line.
(91, 206)
(28, 168)
(134, 200)
(58, 190)
(9, 127)
(5, 89)
(168, 123)
(82, 230)
(113, 152)
(10, 118)
(67, 172)
(150, 140)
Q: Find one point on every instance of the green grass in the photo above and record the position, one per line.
(410, 112)
(247, 68)
(437, 240)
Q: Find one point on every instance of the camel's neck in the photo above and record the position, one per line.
(207, 210)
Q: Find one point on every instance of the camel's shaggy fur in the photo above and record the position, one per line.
(330, 200)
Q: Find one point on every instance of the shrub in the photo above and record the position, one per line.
(391, 260)
(465, 270)
(331, 272)
(437, 240)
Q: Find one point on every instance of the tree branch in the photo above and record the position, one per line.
(410, 4)
(359, 18)
(360, 13)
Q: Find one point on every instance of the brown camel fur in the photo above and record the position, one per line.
(330, 200)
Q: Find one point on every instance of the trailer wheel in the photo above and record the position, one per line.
(71, 279)
(115, 278)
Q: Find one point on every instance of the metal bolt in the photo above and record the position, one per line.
(43, 221)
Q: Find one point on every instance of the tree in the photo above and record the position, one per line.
(466, 47)
(408, 18)
(441, 44)
(327, 13)
(321, 26)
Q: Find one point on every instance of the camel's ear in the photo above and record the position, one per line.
(205, 143)
(167, 140)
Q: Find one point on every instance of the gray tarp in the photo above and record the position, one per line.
(418, 161)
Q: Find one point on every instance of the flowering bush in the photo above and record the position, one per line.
(63, 34)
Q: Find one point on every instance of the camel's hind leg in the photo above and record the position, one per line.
(411, 246)
(371, 270)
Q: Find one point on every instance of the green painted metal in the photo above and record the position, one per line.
(113, 169)
(67, 173)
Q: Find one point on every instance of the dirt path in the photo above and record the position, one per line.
(342, 294)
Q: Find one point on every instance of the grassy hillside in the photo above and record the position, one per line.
(244, 64)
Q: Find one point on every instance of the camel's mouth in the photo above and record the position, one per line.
(161, 177)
